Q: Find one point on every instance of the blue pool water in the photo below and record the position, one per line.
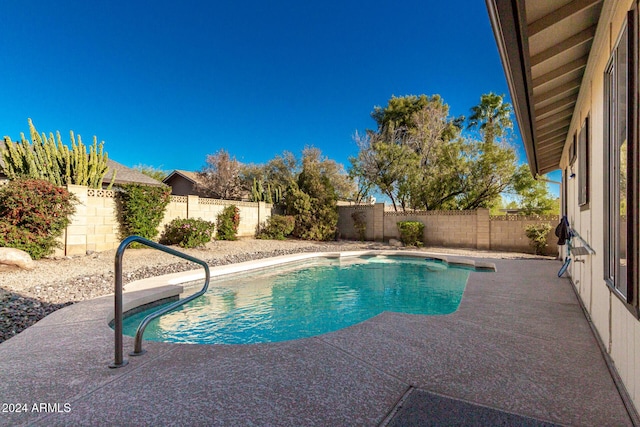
(306, 301)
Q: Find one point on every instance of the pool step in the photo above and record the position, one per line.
(434, 264)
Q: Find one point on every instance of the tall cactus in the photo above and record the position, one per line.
(49, 159)
(267, 195)
(277, 195)
(255, 194)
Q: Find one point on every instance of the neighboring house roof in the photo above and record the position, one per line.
(189, 176)
(127, 175)
(546, 49)
(124, 174)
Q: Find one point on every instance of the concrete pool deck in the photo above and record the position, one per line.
(519, 351)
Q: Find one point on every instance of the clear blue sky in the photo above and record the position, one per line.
(164, 83)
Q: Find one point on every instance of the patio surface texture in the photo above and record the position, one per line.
(519, 351)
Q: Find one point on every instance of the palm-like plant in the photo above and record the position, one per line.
(492, 116)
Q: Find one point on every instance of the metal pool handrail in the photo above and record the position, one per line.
(118, 359)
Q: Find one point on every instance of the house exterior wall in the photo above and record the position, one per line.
(180, 186)
(617, 327)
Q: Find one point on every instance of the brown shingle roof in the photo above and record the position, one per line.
(191, 176)
(126, 175)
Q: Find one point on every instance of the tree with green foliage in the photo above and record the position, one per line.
(268, 182)
(418, 158)
(384, 165)
(312, 199)
(140, 209)
(492, 117)
(399, 158)
(532, 194)
(493, 161)
(334, 172)
(48, 158)
(490, 172)
(152, 172)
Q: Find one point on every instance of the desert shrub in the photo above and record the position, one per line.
(411, 232)
(141, 209)
(187, 233)
(228, 222)
(360, 224)
(537, 234)
(278, 227)
(33, 214)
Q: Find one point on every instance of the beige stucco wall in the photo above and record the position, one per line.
(618, 329)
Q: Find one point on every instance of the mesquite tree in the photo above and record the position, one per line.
(420, 159)
(220, 177)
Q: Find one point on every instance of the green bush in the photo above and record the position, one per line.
(278, 227)
(313, 203)
(360, 224)
(228, 222)
(187, 233)
(33, 214)
(411, 232)
(537, 234)
(141, 209)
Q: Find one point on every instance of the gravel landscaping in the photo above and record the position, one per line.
(28, 296)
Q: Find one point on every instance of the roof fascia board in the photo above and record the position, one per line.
(508, 23)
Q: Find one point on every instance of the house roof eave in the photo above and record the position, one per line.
(506, 18)
(546, 50)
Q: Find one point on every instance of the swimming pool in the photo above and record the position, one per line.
(309, 299)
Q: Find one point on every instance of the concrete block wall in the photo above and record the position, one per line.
(75, 236)
(94, 226)
(346, 224)
(508, 233)
(102, 223)
(441, 228)
(464, 229)
(177, 208)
